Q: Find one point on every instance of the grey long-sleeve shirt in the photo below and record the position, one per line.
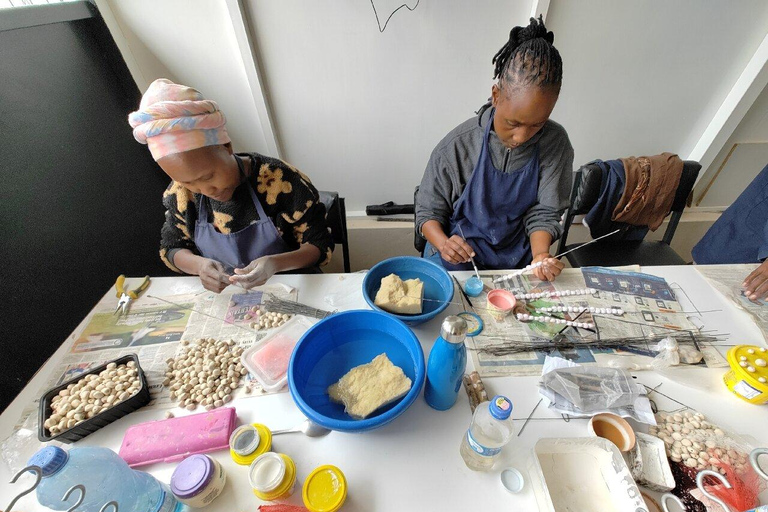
(454, 159)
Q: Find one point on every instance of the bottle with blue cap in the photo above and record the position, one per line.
(104, 475)
(490, 430)
(446, 365)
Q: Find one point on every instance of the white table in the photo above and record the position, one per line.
(414, 463)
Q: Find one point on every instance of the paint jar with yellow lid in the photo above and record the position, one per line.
(248, 442)
(273, 476)
(748, 376)
(325, 490)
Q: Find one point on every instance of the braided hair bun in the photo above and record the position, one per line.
(529, 57)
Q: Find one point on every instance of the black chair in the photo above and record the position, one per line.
(336, 215)
(419, 242)
(613, 251)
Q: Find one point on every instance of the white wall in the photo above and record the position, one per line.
(747, 159)
(647, 76)
(190, 42)
(360, 111)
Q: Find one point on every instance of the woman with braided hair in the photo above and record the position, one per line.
(497, 184)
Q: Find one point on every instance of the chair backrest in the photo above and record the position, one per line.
(418, 241)
(586, 191)
(336, 216)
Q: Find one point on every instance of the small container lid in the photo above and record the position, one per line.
(248, 442)
(192, 475)
(474, 323)
(454, 329)
(325, 489)
(49, 459)
(500, 407)
(267, 472)
(512, 480)
(244, 440)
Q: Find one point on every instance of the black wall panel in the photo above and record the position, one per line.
(80, 199)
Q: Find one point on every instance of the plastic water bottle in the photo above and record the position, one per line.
(490, 430)
(104, 475)
(446, 365)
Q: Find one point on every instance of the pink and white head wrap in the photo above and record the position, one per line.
(174, 118)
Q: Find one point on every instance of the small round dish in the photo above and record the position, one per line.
(512, 480)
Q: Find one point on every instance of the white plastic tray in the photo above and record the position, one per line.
(274, 374)
(586, 474)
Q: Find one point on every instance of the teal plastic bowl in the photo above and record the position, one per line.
(335, 345)
(438, 285)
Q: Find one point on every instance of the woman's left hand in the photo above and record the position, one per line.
(550, 269)
(256, 273)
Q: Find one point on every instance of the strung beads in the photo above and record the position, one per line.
(556, 293)
(516, 273)
(582, 309)
(524, 317)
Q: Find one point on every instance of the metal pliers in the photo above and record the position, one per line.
(126, 296)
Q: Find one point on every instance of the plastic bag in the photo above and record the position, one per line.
(669, 353)
(17, 448)
(593, 388)
(347, 292)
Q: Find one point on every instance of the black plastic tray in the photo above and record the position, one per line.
(102, 419)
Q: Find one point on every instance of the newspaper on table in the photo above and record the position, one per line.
(728, 279)
(650, 309)
(640, 410)
(154, 328)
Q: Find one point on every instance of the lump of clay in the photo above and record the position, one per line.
(368, 387)
(400, 297)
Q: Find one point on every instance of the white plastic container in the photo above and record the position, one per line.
(268, 360)
(585, 473)
(490, 430)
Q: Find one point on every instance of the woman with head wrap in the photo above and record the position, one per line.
(242, 214)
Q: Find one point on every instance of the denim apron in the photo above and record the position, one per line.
(240, 248)
(490, 213)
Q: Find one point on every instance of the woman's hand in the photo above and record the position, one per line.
(550, 269)
(212, 275)
(756, 283)
(256, 273)
(456, 250)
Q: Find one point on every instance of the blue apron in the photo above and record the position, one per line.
(491, 211)
(740, 235)
(240, 248)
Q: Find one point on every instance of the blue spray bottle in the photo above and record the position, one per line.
(446, 365)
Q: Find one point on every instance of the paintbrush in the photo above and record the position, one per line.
(470, 258)
(537, 265)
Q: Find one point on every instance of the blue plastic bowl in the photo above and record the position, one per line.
(438, 285)
(332, 347)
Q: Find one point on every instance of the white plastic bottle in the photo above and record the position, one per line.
(490, 430)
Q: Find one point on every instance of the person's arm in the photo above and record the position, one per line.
(453, 250)
(540, 243)
(434, 206)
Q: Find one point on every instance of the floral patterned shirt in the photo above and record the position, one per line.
(287, 195)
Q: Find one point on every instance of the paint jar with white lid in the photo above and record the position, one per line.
(272, 476)
(198, 480)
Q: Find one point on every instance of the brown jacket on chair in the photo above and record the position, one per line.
(649, 189)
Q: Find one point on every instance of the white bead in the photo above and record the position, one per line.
(750, 351)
